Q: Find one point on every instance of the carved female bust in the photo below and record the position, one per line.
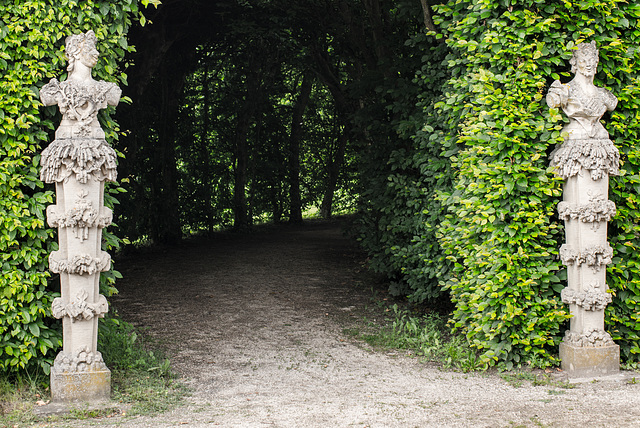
(587, 144)
(80, 96)
(79, 147)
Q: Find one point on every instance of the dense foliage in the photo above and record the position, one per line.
(32, 37)
(399, 212)
(432, 117)
(216, 100)
(469, 208)
(501, 230)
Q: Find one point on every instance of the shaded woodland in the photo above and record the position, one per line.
(426, 119)
(254, 111)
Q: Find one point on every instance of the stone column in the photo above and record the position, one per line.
(79, 161)
(585, 160)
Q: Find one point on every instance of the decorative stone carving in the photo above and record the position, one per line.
(591, 338)
(80, 264)
(84, 158)
(81, 217)
(588, 145)
(596, 210)
(79, 308)
(79, 147)
(78, 161)
(83, 360)
(80, 101)
(591, 299)
(585, 160)
(598, 156)
(595, 257)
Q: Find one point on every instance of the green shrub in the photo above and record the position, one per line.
(401, 173)
(140, 373)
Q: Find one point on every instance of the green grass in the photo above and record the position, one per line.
(141, 378)
(518, 379)
(18, 397)
(140, 373)
(426, 336)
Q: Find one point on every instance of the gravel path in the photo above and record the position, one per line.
(255, 324)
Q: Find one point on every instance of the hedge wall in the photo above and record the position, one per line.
(502, 231)
(32, 35)
(470, 207)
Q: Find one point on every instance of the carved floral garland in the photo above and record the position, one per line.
(80, 264)
(81, 217)
(595, 257)
(591, 338)
(597, 210)
(83, 157)
(79, 308)
(599, 156)
(83, 360)
(591, 299)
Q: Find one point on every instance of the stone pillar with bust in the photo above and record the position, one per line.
(78, 162)
(585, 160)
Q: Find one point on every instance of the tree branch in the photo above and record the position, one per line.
(426, 12)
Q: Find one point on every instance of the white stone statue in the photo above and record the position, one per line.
(587, 144)
(585, 160)
(79, 161)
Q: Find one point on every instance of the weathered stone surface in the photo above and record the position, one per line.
(587, 145)
(580, 361)
(79, 161)
(585, 160)
(88, 386)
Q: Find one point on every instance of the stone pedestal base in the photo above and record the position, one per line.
(89, 386)
(581, 362)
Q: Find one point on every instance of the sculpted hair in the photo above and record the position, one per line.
(75, 43)
(584, 50)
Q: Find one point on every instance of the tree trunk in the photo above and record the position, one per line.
(167, 229)
(426, 12)
(251, 102)
(204, 151)
(335, 164)
(295, 212)
(240, 214)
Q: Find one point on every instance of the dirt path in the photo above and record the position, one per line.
(254, 326)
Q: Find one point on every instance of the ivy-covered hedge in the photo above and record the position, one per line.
(473, 201)
(502, 231)
(32, 35)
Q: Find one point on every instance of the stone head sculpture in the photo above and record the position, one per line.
(585, 59)
(81, 48)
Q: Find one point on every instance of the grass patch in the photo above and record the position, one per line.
(141, 377)
(518, 379)
(427, 336)
(140, 373)
(19, 394)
